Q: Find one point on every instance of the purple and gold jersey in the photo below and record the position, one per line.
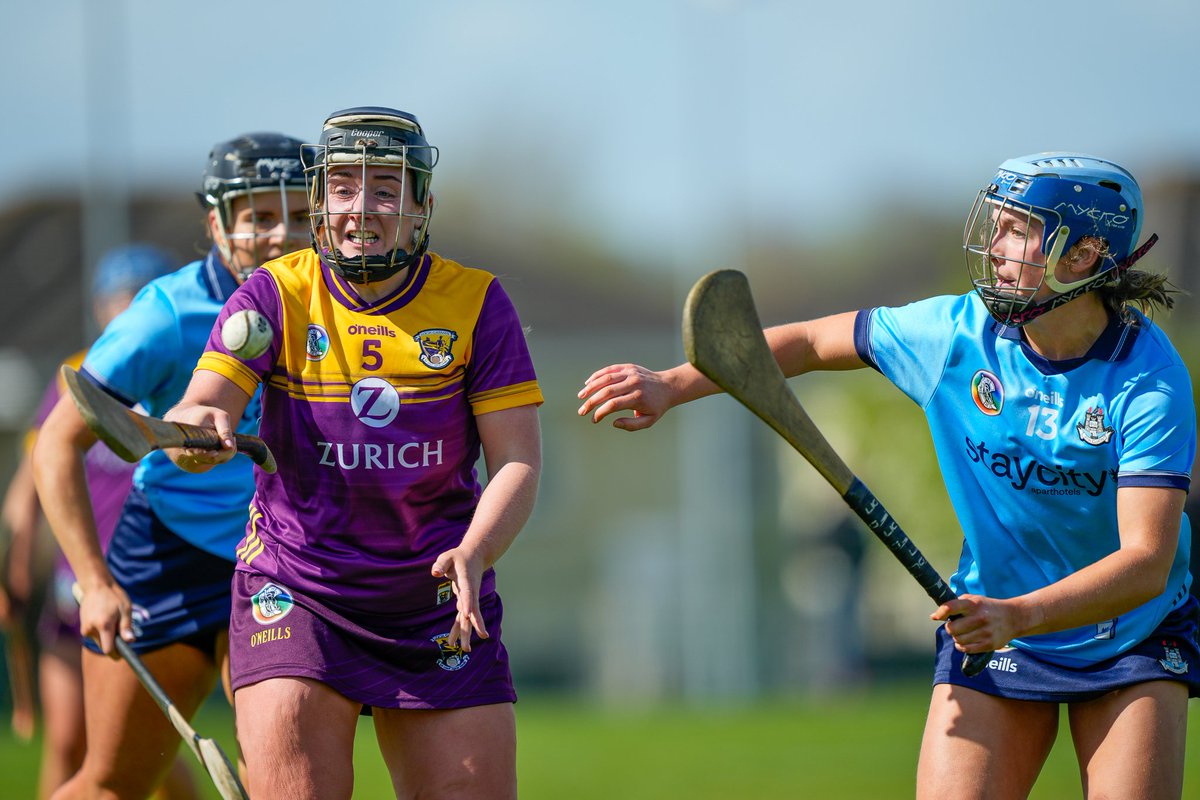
(369, 409)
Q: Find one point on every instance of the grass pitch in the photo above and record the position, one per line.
(860, 746)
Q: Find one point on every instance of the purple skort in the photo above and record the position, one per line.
(400, 661)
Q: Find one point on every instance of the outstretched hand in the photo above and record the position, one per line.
(626, 387)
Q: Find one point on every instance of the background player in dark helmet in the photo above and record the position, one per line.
(169, 563)
(366, 578)
(252, 185)
(1068, 476)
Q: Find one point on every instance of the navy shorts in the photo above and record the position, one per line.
(180, 593)
(394, 661)
(1171, 653)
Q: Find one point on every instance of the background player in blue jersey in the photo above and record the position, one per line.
(1065, 430)
(117, 278)
(365, 577)
(164, 585)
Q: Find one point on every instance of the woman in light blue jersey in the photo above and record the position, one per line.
(1065, 430)
(163, 584)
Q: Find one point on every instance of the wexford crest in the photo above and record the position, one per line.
(452, 657)
(1093, 430)
(436, 345)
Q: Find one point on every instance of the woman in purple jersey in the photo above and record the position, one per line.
(365, 579)
(1049, 246)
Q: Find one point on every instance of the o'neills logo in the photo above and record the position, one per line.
(987, 392)
(270, 635)
(1002, 664)
(371, 330)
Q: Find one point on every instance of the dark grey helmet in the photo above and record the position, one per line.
(369, 136)
(244, 166)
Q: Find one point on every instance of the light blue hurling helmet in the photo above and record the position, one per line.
(1074, 196)
(128, 268)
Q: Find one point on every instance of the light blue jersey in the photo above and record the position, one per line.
(146, 355)
(1033, 451)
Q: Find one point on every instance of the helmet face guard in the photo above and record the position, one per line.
(250, 166)
(357, 140)
(1069, 197)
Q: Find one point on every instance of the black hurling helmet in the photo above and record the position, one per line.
(361, 137)
(243, 167)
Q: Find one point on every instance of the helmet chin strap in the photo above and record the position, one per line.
(227, 255)
(1060, 241)
(375, 268)
(1020, 318)
(369, 269)
(225, 249)
(380, 268)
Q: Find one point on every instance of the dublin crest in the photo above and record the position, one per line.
(436, 344)
(1093, 430)
(1173, 661)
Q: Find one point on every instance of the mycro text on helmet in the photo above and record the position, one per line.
(1108, 219)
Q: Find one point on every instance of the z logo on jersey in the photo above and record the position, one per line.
(436, 344)
(374, 402)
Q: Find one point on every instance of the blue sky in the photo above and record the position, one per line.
(650, 121)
